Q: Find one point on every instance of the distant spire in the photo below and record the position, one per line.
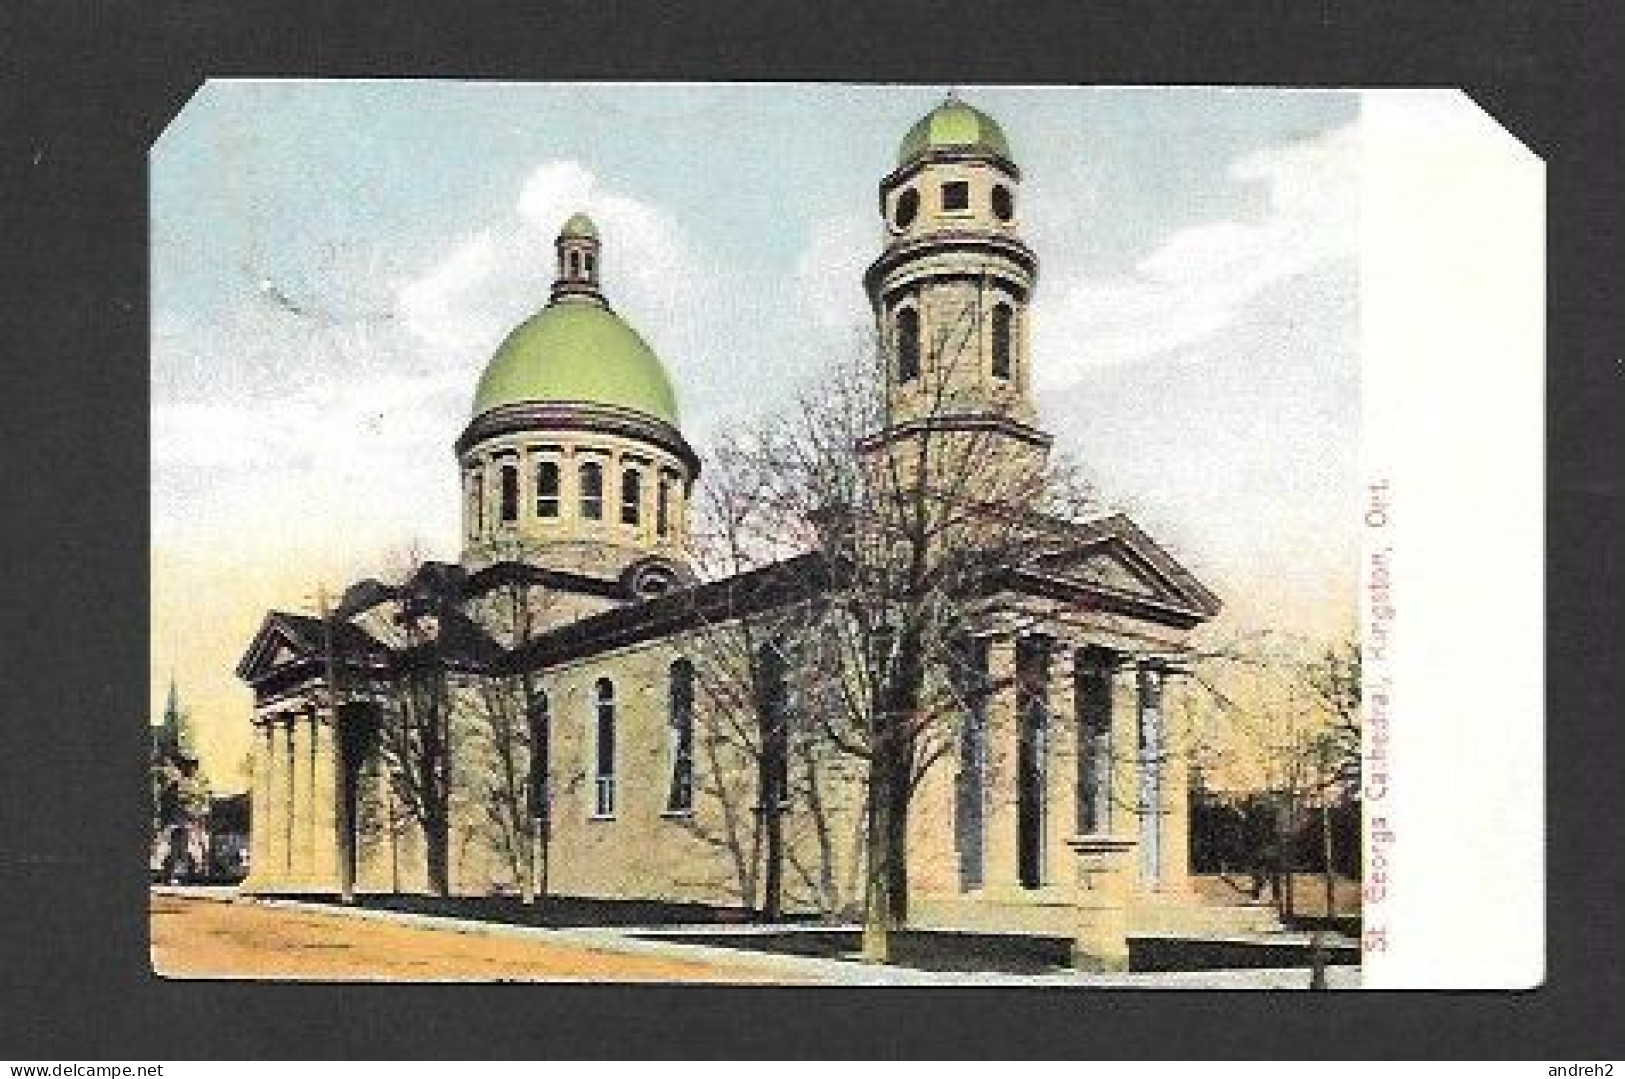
(172, 708)
(175, 732)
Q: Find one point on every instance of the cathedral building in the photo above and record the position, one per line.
(578, 488)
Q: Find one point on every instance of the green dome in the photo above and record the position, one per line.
(579, 225)
(953, 125)
(577, 351)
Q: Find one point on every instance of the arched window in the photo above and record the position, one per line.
(476, 500)
(663, 506)
(1003, 364)
(908, 345)
(631, 496)
(592, 491)
(604, 748)
(587, 261)
(680, 798)
(774, 714)
(907, 208)
(509, 502)
(547, 489)
(541, 752)
(1004, 204)
(575, 263)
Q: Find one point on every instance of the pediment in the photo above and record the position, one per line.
(1110, 571)
(1113, 556)
(275, 646)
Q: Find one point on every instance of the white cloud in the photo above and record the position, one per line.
(651, 269)
(828, 276)
(1199, 279)
(441, 306)
(286, 430)
(489, 280)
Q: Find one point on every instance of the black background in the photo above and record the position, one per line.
(89, 85)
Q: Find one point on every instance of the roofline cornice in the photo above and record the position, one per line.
(949, 241)
(527, 416)
(969, 421)
(946, 155)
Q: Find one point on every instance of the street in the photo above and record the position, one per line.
(211, 937)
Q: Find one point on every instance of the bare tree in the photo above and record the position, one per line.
(742, 669)
(913, 522)
(508, 709)
(1335, 677)
(432, 642)
(1291, 710)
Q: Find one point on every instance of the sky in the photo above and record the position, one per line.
(333, 263)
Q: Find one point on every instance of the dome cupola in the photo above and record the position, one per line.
(576, 349)
(573, 457)
(953, 126)
(578, 261)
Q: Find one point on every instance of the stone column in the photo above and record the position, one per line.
(526, 463)
(287, 800)
(299, 793)
(1001, 866)
(1061, 765)
(1178, 745)
(1105, 894)
(325, 844)
(1153, 776)
(261, 817)
(1123, 764)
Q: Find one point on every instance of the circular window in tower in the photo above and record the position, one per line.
(906, 209)
(1004, 204)
(649, 578)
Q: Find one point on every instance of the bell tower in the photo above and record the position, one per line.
(952, 289)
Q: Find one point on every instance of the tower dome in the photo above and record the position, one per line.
(579, 225)
(953, 125)
(573, 459)
(576, 349)
(577, 352)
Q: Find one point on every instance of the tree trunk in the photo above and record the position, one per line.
(773, 855)
(897, 850)
(826, 846)
(1284, 846)
(527, 871)
(877, 902)
(544, 833)
(437, 853)
(1317, 961)
(394, 839)
(1330, 878)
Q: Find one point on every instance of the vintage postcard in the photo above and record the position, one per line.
(844, 535)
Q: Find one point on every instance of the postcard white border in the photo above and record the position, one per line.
(1452, 322)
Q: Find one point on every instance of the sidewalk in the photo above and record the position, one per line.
(700, 962)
